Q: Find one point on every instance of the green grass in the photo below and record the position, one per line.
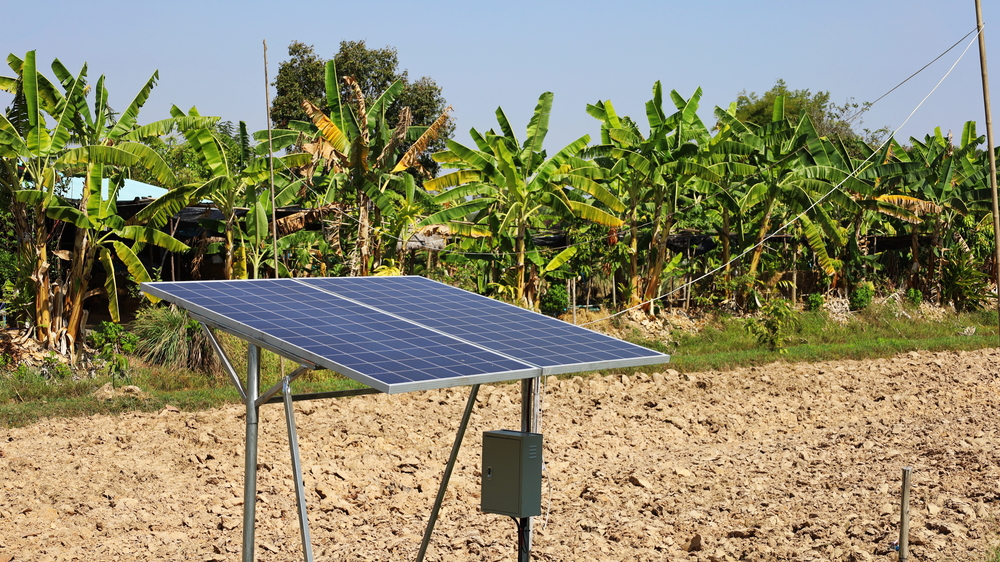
(877, 332)
(26, 396)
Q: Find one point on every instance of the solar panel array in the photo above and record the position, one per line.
(398, 334)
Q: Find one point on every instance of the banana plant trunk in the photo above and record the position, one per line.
(765, 225)
(79, 272)
(228, 263)
(519, 272)
(633, 251)
(79, 280)
(40, 278)
(361, 267)
(725, 249)
(663, 227)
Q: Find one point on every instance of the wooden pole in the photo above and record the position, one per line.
(989, 143)
(904, 517)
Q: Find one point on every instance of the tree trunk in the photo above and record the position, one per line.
(633, 251)
(519, 271)
(656, 272)
(761, 235)
(40, 279)
(80, 267)
(363, 250)
(227, 271)
(725, 249)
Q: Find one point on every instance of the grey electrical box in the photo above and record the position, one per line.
(512, 473)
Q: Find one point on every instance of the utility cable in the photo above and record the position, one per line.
(948, 50)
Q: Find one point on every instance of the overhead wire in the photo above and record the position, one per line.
(948, 50)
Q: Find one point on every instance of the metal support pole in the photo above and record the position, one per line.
(989, 142)
(300, 488)
(224, 359)
(904, 517)
(447, 473)
(250, 471)
(530, 407)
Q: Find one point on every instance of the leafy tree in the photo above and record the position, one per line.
(374, 71)
(365, 156)
(299, 78)
(828, 118)
(661, 166)
(95, 144)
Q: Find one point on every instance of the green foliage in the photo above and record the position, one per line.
(862, 295)
(51, 369)
(771, 326)
(9, 251)
(914, 296)
(167, 336)
(114, 337)
(113, 342)
(964, 284)
(815, 301)
(828, 118)
(555, 301)
(302, 77)
(299, 78)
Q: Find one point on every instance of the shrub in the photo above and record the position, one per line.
(555, 301)
(964, 284)
(915, 296)
(168, 336)
(776, 317)
(815, 301)
(114, 341)
(862, 295)
(114, 338)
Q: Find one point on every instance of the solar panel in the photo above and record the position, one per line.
(556, 346)
(399, 334)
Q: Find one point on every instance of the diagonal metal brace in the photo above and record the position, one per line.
(226, 363)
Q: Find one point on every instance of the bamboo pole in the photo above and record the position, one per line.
(989, 142)
(270, 169)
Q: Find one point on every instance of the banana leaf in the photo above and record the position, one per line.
(561, 258)
(110, 283)
(149, 235)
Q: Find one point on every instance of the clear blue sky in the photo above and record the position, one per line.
(489, 54)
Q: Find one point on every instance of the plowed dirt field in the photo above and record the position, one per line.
(780, 462)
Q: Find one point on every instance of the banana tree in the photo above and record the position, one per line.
(235, 186)
(108, 230)
(366, 154)
(505, 187)
(112, 145)
(33, 150)
(946, 179)
(659, 167)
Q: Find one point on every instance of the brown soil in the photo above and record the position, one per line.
(783, 462)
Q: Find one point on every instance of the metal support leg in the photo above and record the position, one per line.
(300, 489)
(447, 472)
(250, 472)
(530, 405)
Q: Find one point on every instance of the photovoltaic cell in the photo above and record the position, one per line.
(555, 346)
(398, 334)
